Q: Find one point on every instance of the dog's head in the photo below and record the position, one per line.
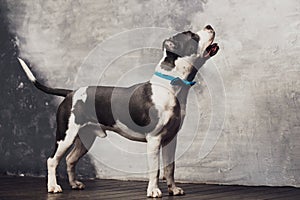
(198, 45)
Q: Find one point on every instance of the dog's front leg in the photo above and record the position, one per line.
(168, 154)
(153, 150)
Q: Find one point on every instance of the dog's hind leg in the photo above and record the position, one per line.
(77, 152)
(83, 142)
(62, 146)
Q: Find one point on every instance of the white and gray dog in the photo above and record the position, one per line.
(150, 112)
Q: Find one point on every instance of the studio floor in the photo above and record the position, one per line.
(22, 188)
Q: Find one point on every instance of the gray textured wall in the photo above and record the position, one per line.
(243, 122)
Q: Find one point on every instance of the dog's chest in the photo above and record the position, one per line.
(165, 102)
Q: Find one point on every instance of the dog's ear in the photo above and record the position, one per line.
(169, 45)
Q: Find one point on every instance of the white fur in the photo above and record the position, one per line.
(52, 183)
(183, 66)
(27, 70)
(126, 132)
(164, 100)
(206, 38)
(80, 94)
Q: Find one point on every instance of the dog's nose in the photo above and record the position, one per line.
(208, 27)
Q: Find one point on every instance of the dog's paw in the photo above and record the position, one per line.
(54, 189)
(176, 191)
(77, 185)
(154, 192)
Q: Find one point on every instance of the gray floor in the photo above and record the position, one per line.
(35, 188)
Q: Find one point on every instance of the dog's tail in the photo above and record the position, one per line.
(48, 90)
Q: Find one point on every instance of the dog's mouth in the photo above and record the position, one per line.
(211, 50)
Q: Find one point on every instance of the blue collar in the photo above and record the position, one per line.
(174, 80)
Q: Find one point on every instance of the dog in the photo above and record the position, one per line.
(150, 112)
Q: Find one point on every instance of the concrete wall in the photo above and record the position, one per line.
(242, 124)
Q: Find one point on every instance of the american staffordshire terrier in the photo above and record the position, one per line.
(150, 112)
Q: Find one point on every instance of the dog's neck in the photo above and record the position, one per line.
(185, 68)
